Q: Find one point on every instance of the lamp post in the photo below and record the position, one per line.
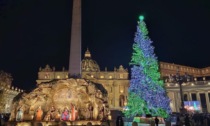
(180, 79)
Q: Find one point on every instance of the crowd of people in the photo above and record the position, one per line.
(196, 119)
(4, 118)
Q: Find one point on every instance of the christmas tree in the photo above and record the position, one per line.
(146, 92)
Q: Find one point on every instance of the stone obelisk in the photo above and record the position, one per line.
(75, 46)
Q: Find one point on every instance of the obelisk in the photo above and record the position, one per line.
(75, 46)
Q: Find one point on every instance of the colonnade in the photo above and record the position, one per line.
(176, 99)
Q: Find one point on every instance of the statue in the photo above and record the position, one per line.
(76, 113)
(47, 117)
(95, 111)
(91, 111)
(39, 113)
(87, 114)
(52, 113)
(19, 115)
(73, 112)
(65, 114)
(100, 115)
(103, 111)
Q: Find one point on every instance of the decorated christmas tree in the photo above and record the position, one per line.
(146, 92)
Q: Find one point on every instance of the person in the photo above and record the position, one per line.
(156, 121)
(187, 121)
(119, 121)
(1, 120)
(178, 122)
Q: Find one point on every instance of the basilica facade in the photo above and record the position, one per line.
(116, 82)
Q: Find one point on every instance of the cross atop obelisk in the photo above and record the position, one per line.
(75, 46)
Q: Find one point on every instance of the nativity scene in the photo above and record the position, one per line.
(62, 100)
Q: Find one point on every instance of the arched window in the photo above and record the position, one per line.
(121, 100)
(185, 97)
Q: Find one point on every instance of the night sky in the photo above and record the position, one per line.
(34, 33)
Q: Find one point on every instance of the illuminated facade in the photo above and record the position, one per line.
(171, 68)
(196, 90)
(7, 92)
(116, 82)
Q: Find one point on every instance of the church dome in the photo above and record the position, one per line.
(88, 64)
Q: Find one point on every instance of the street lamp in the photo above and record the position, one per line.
(180, 79)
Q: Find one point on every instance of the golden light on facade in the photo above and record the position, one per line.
(109, 117)
(101, 76)
(121, 75)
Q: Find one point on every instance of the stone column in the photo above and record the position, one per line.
(75, 44)
(199, 99)
(207, 101)
(198, 96)
(190, 96)
(177, 101)
(115, 94)
(171, 95)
